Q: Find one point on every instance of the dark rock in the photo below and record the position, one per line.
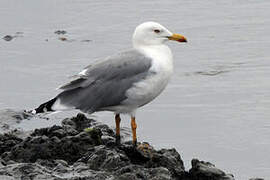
(138, 172)
(61, 167)
(69, 148)
(66, 39)
(63, 38)
(79, 123)
(50, 131)
(60, 32)
(46, 163)
(101, 157)
(7, 142)
(8, 38)
(170, 159)
(136, 155)
(56, 143)
(11, 37)
(86, 40)
(108, 141)
(83, 149)
(25, 171)
(95, 134)
(105, 129)
(206, 171)
(2, 163)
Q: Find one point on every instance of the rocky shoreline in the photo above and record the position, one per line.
(82, 149)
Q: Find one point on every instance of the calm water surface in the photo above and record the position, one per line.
(217, 106)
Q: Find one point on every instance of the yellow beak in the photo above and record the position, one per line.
(177, 37)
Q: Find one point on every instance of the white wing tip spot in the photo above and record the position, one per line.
(34, 112)
(83, 72)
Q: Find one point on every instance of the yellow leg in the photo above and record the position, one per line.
(134, 127)
(117, 123)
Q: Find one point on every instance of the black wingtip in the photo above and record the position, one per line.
(45, 107)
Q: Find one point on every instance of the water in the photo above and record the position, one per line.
(216, 107)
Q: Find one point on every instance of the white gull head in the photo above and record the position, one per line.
(152, 33)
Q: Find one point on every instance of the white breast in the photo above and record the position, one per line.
(145, 91)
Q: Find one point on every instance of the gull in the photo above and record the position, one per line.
(123, 82)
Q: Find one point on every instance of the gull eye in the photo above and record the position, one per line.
(157, 31)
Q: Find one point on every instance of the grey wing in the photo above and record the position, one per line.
(105, 83)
